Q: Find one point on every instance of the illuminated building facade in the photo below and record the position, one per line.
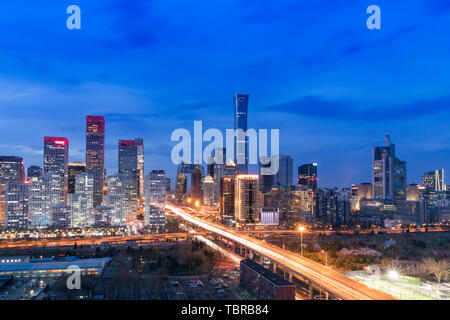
(95, 154)
(227, 199)
(114, 199)
(180, 188)
(56, 160)
(240, 102)
(11, 171)
(129, 171)
(155, 205)
(61, 216)
(16, 205)
(208, 191)
(75, 168)
(82, 200)
(388, 173)
(45, 192)
(434, 180)
(34, 172)
(247, 206)
(307, 175)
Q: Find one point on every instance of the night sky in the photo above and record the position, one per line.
(312, 69)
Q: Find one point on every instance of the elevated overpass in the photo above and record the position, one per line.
(332, 282)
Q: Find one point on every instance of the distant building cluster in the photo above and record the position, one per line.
(64, 194)
(248, 200)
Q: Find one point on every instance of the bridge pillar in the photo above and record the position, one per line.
(242, 250)
(274, 267)
(311, 290)
(327, 295)
(290, 276)
(250, 254)
(261, 259)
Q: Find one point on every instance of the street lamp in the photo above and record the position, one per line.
(301, 229)
(326, 257)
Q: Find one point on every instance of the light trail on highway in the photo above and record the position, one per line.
(332, 281)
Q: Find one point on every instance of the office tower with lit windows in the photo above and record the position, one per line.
(219, 171)
(208, 191)
(307, 175)
(33, 172)
(102, 216)
(284, 174)
(82, 200)
(114, 199)
(75, 168)
(168, 187)
(434, 180)
(56, 160)
(155, 197)
(95, 154)
(61, 216)
(45, 192)
(180, 188)
(267, 181)
(227, 199)
(11, 171)
(197, 184)
(16, 205)
(247, 206)
(240, 102)
(129, 171)
(388, 173)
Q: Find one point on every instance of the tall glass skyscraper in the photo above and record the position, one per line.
(56, 160)
(11, 171)
(388, 173)
(240, 122)
(95, 154)
(155, 205)
(129, 171)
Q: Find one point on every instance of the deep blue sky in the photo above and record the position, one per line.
(312, 69)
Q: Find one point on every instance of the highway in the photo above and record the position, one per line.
(332, 281)
(92, 241)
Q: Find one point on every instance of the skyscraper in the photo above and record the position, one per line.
(307, 175)
(247, 206)
(155, 200)
(227, 199)
(75, 168)
(129, 171)
(114, 199)
(45, 192)
(208, 191)
(56, 160)
(16, 204)
(388, 173)
(197, 183)
(267, 181)
(82, 200)
(284, 175)
(240, 122)
(34, 172)
(95, 154)
(11, 171)
(180, 188)
(434, 180)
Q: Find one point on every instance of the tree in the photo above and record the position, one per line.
(440, 268)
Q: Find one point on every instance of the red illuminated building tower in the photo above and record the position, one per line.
(95, 154)
(56, 160)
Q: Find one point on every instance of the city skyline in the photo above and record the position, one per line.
(336, 93)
